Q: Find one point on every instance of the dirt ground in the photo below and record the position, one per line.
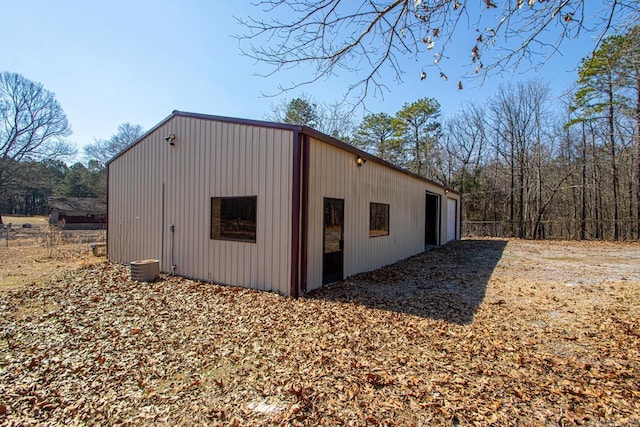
(478, 332)
(31, 255)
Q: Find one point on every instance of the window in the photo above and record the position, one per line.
(234, 218)
(378, 219)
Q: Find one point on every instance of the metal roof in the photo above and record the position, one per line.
(78, 204)
(285, 126)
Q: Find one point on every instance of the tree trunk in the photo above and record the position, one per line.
(538, 232)
(597, 195)
(638, 158)
(539, 203)
(512, 201)
(583, 207)
(494, 194)
(418, 159)
(521, 202)
(614, 167)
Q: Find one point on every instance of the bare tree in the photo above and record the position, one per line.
(102, 150)
(33, 126)
(336, 120)
(465, 141)
(515, 113)
(368, 38)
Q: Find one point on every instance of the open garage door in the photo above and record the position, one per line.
(431, 226)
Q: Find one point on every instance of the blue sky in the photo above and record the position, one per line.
(136, 61)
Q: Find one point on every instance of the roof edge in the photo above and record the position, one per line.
(285, 126)
(367, 156)
(224, 119)
(143, 136)
(249, 122)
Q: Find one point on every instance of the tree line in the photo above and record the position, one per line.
(536, 165)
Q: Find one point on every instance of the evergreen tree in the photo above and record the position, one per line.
(416, 123)
(377, 135)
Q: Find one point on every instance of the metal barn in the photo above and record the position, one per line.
(268, 206)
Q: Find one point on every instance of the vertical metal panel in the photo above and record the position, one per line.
(209, 159)
(450, 225)
(135, 221)
(452, 217)
(333, 173)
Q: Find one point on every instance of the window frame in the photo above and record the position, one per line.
(388, 220)
(220, 235)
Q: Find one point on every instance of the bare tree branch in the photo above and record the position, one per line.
(368, 38)
(103, 150)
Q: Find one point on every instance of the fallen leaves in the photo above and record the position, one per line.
(446, 337)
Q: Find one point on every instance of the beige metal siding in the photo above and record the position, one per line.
(333, 173)
(209, 159)
(452, 219)
(135, 204)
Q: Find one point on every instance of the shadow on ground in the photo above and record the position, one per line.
(446, 283)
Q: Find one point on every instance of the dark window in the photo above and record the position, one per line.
(234, 218)
(378, 219)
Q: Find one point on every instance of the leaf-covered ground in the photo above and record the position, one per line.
(474, 333)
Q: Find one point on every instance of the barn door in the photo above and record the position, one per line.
(333, 253)
(452, 219)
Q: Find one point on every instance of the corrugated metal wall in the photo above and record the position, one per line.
(154, 185)
(333, 173)
(452, 219)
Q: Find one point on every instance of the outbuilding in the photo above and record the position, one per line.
(268, 206)
(78, 213)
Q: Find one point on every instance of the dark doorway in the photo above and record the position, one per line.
(333, 256)
(431, 219)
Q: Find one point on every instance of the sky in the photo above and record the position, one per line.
(136, 61)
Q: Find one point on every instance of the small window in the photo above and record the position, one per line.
(234, 218)
(378, 219)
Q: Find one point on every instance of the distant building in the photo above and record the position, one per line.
(78, 213)
(267, 206)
